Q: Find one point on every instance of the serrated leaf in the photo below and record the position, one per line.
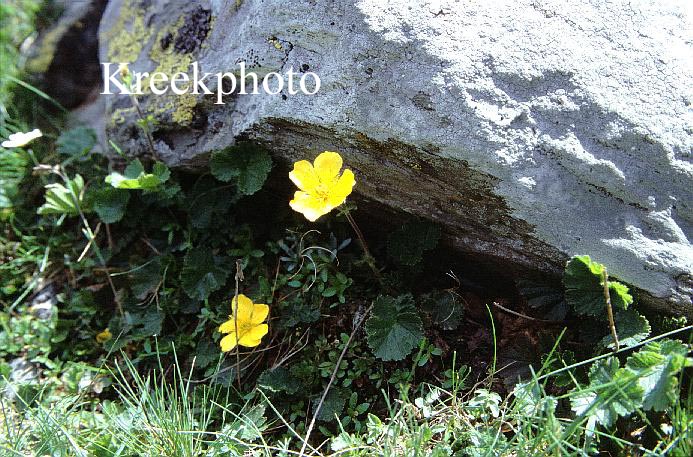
(407, 244)
(245, 163)
(110, 204)
(146, 323)
(202, 274)
(657, 366)
(612, 392)
(134, 177)
(206, 353)
(279, 379)
(445, 308)
(532, 400)
(145, 278)
(205, 202)
(62, 199)
(631, 328)
(584, 288)
(331, 407)
(394, 328)
(76, 142)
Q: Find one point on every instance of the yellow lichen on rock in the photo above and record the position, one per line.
(170, 62)
(126, 39)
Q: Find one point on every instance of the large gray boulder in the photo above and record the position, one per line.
(530, 130)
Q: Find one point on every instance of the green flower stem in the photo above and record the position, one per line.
(91, 238)
(370, 260)
(144, 124)
(127, 79)
(238, 278)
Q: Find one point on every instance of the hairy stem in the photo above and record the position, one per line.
(91, 238)
(609, 309)
(234, 312)
(370, 260)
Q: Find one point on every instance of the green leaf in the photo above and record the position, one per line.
(139, 324)
(657, 366)
(206, 353)
(332, 406)
(631, 328)
(612, 392)
(394, 328)
(134, 176)
(60, 199)
(532, 400)
(110, 204)
(407, 244)
(145, 279)
(202, 273)
(584, 288)
(279, 379)
(445, 307)
(247, 427)
(246, 163)
(76, 142)
(205, 202)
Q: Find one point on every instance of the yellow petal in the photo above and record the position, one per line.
(304, 176)
(311, 207)
(252, 337)
(228, 342)
(327, 166)
(104, 336)
(342, 189)
(251, 343)
(245, 310)
(228, 326)
(260, 312)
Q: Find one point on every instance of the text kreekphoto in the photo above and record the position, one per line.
(218, 84)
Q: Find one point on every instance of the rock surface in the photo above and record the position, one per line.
(531, 130)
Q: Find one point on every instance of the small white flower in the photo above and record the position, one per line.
(20, 139)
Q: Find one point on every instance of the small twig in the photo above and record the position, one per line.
(332, 378)
(150, 245)
(276, 278)
(144, 125)
(510, 311)
(109, 237)
(609, 309)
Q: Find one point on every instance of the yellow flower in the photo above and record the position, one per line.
(104, 336)
(250, 327)
(322, 188)
(19, 139)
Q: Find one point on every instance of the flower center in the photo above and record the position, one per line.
(322, 192)
(244, 327)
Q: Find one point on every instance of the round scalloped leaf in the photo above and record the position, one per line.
(202, 273)
(631, 328)
(584, 288)
(613, 392)
(658, 365)
(246, 163)
(394, 328)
